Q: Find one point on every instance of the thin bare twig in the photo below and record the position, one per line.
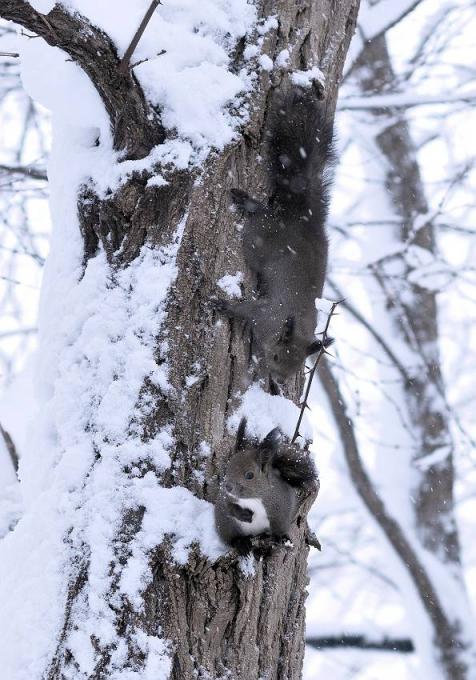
(322, 351)
(9, 54)
(124, 65)
(8, 279)
(143, 61)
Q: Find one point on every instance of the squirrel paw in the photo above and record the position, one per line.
(283, 541)
(219, 305)
(244, 202)
(264, 544)
(242, 545)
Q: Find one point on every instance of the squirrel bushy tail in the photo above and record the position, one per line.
(284, 239)
(295, 466)
(302, 155)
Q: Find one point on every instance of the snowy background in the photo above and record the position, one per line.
(355, 588)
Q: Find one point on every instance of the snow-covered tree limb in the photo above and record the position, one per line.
(136, 126)
(403, 100)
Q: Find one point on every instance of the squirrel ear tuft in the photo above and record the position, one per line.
(240, 435)
(271, 440)
(269, 447)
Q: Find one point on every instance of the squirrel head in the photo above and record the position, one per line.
(250, 472)
(286, 356)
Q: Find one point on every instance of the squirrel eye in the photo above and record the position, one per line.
(276, 357)
(249, 475)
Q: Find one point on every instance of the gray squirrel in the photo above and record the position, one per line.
(259, 492)
(285, 243)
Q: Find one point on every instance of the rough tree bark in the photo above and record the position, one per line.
(413, 312)
(220, 622)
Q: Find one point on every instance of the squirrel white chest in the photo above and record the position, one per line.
(259, 522)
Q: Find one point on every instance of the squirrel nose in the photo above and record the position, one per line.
(229, 487)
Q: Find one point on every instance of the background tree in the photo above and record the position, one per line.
(402, 462)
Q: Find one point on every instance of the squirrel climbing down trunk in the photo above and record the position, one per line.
(284, 241)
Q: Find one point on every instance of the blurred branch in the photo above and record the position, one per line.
(401, 101)
(17, 331)
(349, 641)
(379, 339)
(10, 446)
(348, 558)
(34, 173)
(374, 20)
(378, 18)
(442, 626)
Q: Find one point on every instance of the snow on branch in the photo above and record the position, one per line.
(136, 127)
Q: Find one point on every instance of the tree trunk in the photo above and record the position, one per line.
(194, 615)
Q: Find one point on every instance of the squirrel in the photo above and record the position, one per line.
(260, 491)
(285, 243)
